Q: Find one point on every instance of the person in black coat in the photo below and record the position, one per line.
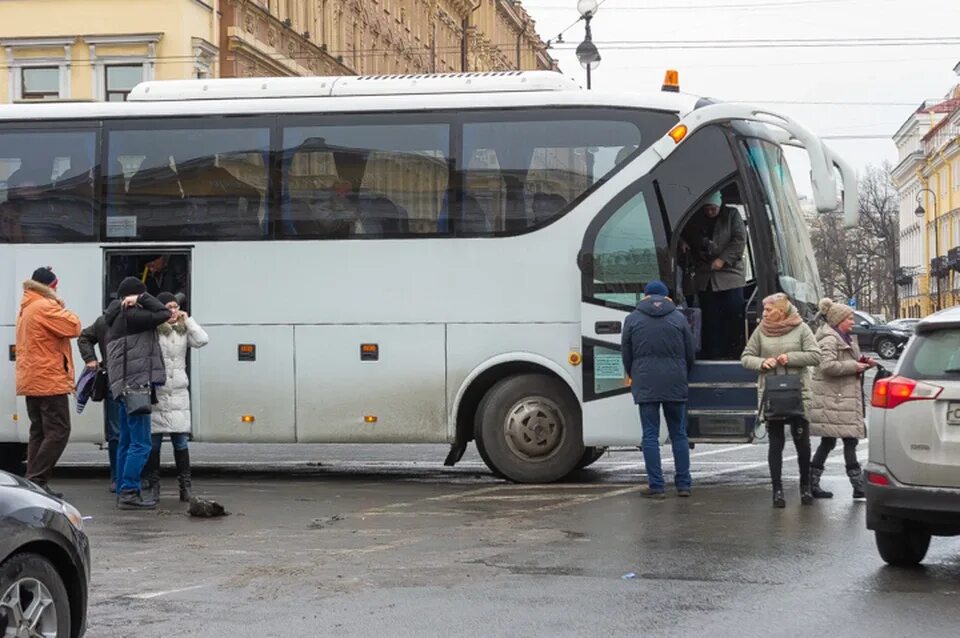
(658, 354)
(133, 361)
(92, 338)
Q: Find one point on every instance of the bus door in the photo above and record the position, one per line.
(164, 269)
(632, 241)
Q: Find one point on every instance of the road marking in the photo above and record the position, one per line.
(722, 450)
(157, 594)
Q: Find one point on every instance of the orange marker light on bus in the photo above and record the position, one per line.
(248, 418)
(671, 81)
(575, 358)
(370, 419)
(678, 132)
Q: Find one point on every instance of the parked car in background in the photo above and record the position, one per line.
(904, 324)
(44, 563)
(913, 473)
(874, 335)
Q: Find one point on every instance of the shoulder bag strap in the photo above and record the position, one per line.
(122, 311)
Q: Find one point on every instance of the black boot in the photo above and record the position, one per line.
(856, 481)
(806, 496)
(182, 458)
(152, 472)
(779, 502)
(131, 500)
(815, 474)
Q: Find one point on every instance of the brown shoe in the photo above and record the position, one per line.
(646, 492)
(683, 493)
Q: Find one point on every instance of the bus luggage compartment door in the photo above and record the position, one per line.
(371, 384)
(723, 402)
(12, 430)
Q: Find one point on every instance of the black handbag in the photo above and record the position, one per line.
(138, 399)
(783, 397)
(100, 386)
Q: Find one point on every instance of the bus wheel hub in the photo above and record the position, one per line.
(534, 428)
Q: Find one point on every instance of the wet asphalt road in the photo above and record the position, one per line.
(382, 540)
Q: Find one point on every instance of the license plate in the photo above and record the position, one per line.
(953, 414)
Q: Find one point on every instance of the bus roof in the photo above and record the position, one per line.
(259, 96)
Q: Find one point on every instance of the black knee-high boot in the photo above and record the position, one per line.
(182, 459)
(152, 471)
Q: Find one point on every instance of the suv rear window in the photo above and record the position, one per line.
(933, 355)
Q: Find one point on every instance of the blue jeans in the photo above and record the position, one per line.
(177, 439)
(133, 449)
(676, 414)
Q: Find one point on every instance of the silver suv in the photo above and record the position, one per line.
(913, 476)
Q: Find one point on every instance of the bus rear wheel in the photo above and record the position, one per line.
(528, 429)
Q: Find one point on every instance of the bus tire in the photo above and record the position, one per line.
(528, 429)
(13, 458)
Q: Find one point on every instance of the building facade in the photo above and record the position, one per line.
(99, 49)
(928, 177)
(371, 37)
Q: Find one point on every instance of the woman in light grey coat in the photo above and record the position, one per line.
(837, 408)
(783, 340)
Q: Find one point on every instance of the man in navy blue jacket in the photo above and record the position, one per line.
(658, 354)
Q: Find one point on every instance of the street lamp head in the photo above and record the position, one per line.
(920, 212)
(587, 8)
(588, 55)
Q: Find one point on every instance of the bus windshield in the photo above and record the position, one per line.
(797, 267)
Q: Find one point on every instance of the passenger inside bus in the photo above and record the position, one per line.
(546, 206)
(216, 200)
(713, 256)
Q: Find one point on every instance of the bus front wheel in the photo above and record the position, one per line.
(528, 429)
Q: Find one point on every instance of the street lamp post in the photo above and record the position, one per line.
(587, 52)
(920, 212)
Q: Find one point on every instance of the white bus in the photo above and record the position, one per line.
(400, 259)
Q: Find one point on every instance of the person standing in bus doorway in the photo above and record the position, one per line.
(133, 361)
(836, 410)
(783, 340)
(44, 371)
(658, 354)
(715, 240)
(164, 274)
(95, 336)
(171, 415)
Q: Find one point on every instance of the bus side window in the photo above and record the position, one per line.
(46, 187)
(170, 183)
(526, 172)
(359, 179)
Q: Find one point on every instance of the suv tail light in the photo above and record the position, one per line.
(891, 392)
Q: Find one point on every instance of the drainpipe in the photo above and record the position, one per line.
(464, 43)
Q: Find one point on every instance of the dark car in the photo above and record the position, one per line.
(875, 336)
(44, 563)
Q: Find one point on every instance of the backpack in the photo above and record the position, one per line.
(782, 397)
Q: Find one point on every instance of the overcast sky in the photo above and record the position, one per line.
(880, 74)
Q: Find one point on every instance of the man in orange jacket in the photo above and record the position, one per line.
(45, 371)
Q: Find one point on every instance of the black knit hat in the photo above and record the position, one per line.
(131, 286)
(45, 276)
(166, 297)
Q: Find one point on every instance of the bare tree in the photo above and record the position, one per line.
(879, 219)
(861, 262)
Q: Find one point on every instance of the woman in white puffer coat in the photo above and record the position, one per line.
(171, 414)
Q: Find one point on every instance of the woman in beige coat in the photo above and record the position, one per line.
(837, 408)
(783, 340)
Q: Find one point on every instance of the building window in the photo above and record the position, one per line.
(40, 83)
(120, 80)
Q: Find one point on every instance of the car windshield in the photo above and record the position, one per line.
(799, 277)
(933, 355)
